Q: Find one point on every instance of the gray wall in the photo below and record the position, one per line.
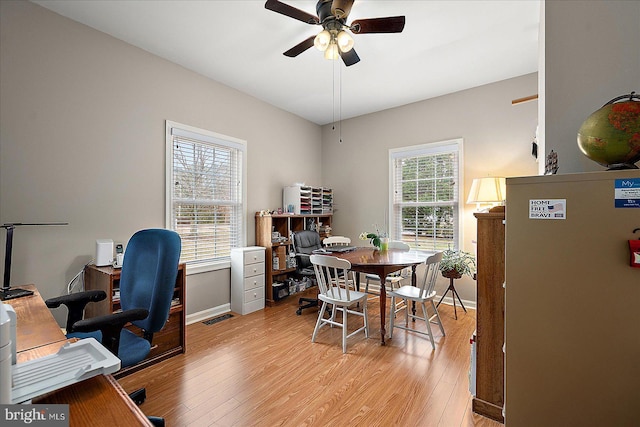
(497, 141)
(592, 54)
(82, 140)
(82, 133)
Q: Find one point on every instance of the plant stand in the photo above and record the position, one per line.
(454, 293)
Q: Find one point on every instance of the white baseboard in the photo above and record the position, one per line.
(226, 308)
(208, 314)
(449, 301)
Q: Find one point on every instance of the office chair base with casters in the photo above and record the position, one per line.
(310, 303)
(139, 396)
(156, 421)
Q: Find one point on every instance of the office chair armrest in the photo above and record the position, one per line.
(303, 260)
(75, 304)
(110, 325)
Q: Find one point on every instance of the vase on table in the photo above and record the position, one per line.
(384, 244)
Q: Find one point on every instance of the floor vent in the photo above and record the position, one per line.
(218, 319)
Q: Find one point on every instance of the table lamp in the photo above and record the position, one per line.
(488, 190)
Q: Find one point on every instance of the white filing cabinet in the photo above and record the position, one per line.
(247, 279)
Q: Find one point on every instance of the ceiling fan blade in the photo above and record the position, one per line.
(341, 8)
(350, 58)
(292, 12)
(300, 47)
(391, 24)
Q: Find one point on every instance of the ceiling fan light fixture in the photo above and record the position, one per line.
(322, 40)
(344, 41)
(332, 51)
(333, 39)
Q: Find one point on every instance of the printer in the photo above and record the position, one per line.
(74, 362)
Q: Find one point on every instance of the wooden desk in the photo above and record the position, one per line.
(98, 401)
(36, 325)
(382, 263)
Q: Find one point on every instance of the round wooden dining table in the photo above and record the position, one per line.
(382, 263)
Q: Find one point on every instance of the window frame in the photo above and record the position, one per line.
(211, 138)
(452, 145)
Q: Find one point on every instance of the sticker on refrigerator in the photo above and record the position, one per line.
(627, 193)
(548, 209)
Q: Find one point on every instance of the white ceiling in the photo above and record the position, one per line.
(446, 46)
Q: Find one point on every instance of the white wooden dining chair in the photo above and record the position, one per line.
(335, 287)
(420, 295)
(394, 280)
(336, 241)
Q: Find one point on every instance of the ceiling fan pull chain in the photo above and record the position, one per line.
(333, 95)
(339, 103)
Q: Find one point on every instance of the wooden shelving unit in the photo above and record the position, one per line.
(305, 200)
(284, 224)
(168, 342)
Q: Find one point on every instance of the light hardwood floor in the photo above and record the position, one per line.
(262, 370)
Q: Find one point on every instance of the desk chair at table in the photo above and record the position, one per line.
(336, 241)
(304, 243)
(420, 295)
(147, 285)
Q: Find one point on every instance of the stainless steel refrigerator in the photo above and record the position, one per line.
(572, 313)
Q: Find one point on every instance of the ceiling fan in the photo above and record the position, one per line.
(334, 40)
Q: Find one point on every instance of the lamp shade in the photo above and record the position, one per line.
(332, 51)
(344, 41)
(487, 190)
(322, 40)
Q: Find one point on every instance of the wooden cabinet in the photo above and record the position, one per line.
(247, 279)
(273, 232)
(489, 398)
(169, 341)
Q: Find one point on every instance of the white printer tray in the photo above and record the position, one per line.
(73, 363)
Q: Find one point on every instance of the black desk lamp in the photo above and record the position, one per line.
(6, 292)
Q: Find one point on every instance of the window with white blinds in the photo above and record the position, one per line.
(205, 192)
(425, 181)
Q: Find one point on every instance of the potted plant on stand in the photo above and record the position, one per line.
(455, 264)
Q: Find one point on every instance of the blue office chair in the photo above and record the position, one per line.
(147, 284)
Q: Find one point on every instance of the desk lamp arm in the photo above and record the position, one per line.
(6, 284)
